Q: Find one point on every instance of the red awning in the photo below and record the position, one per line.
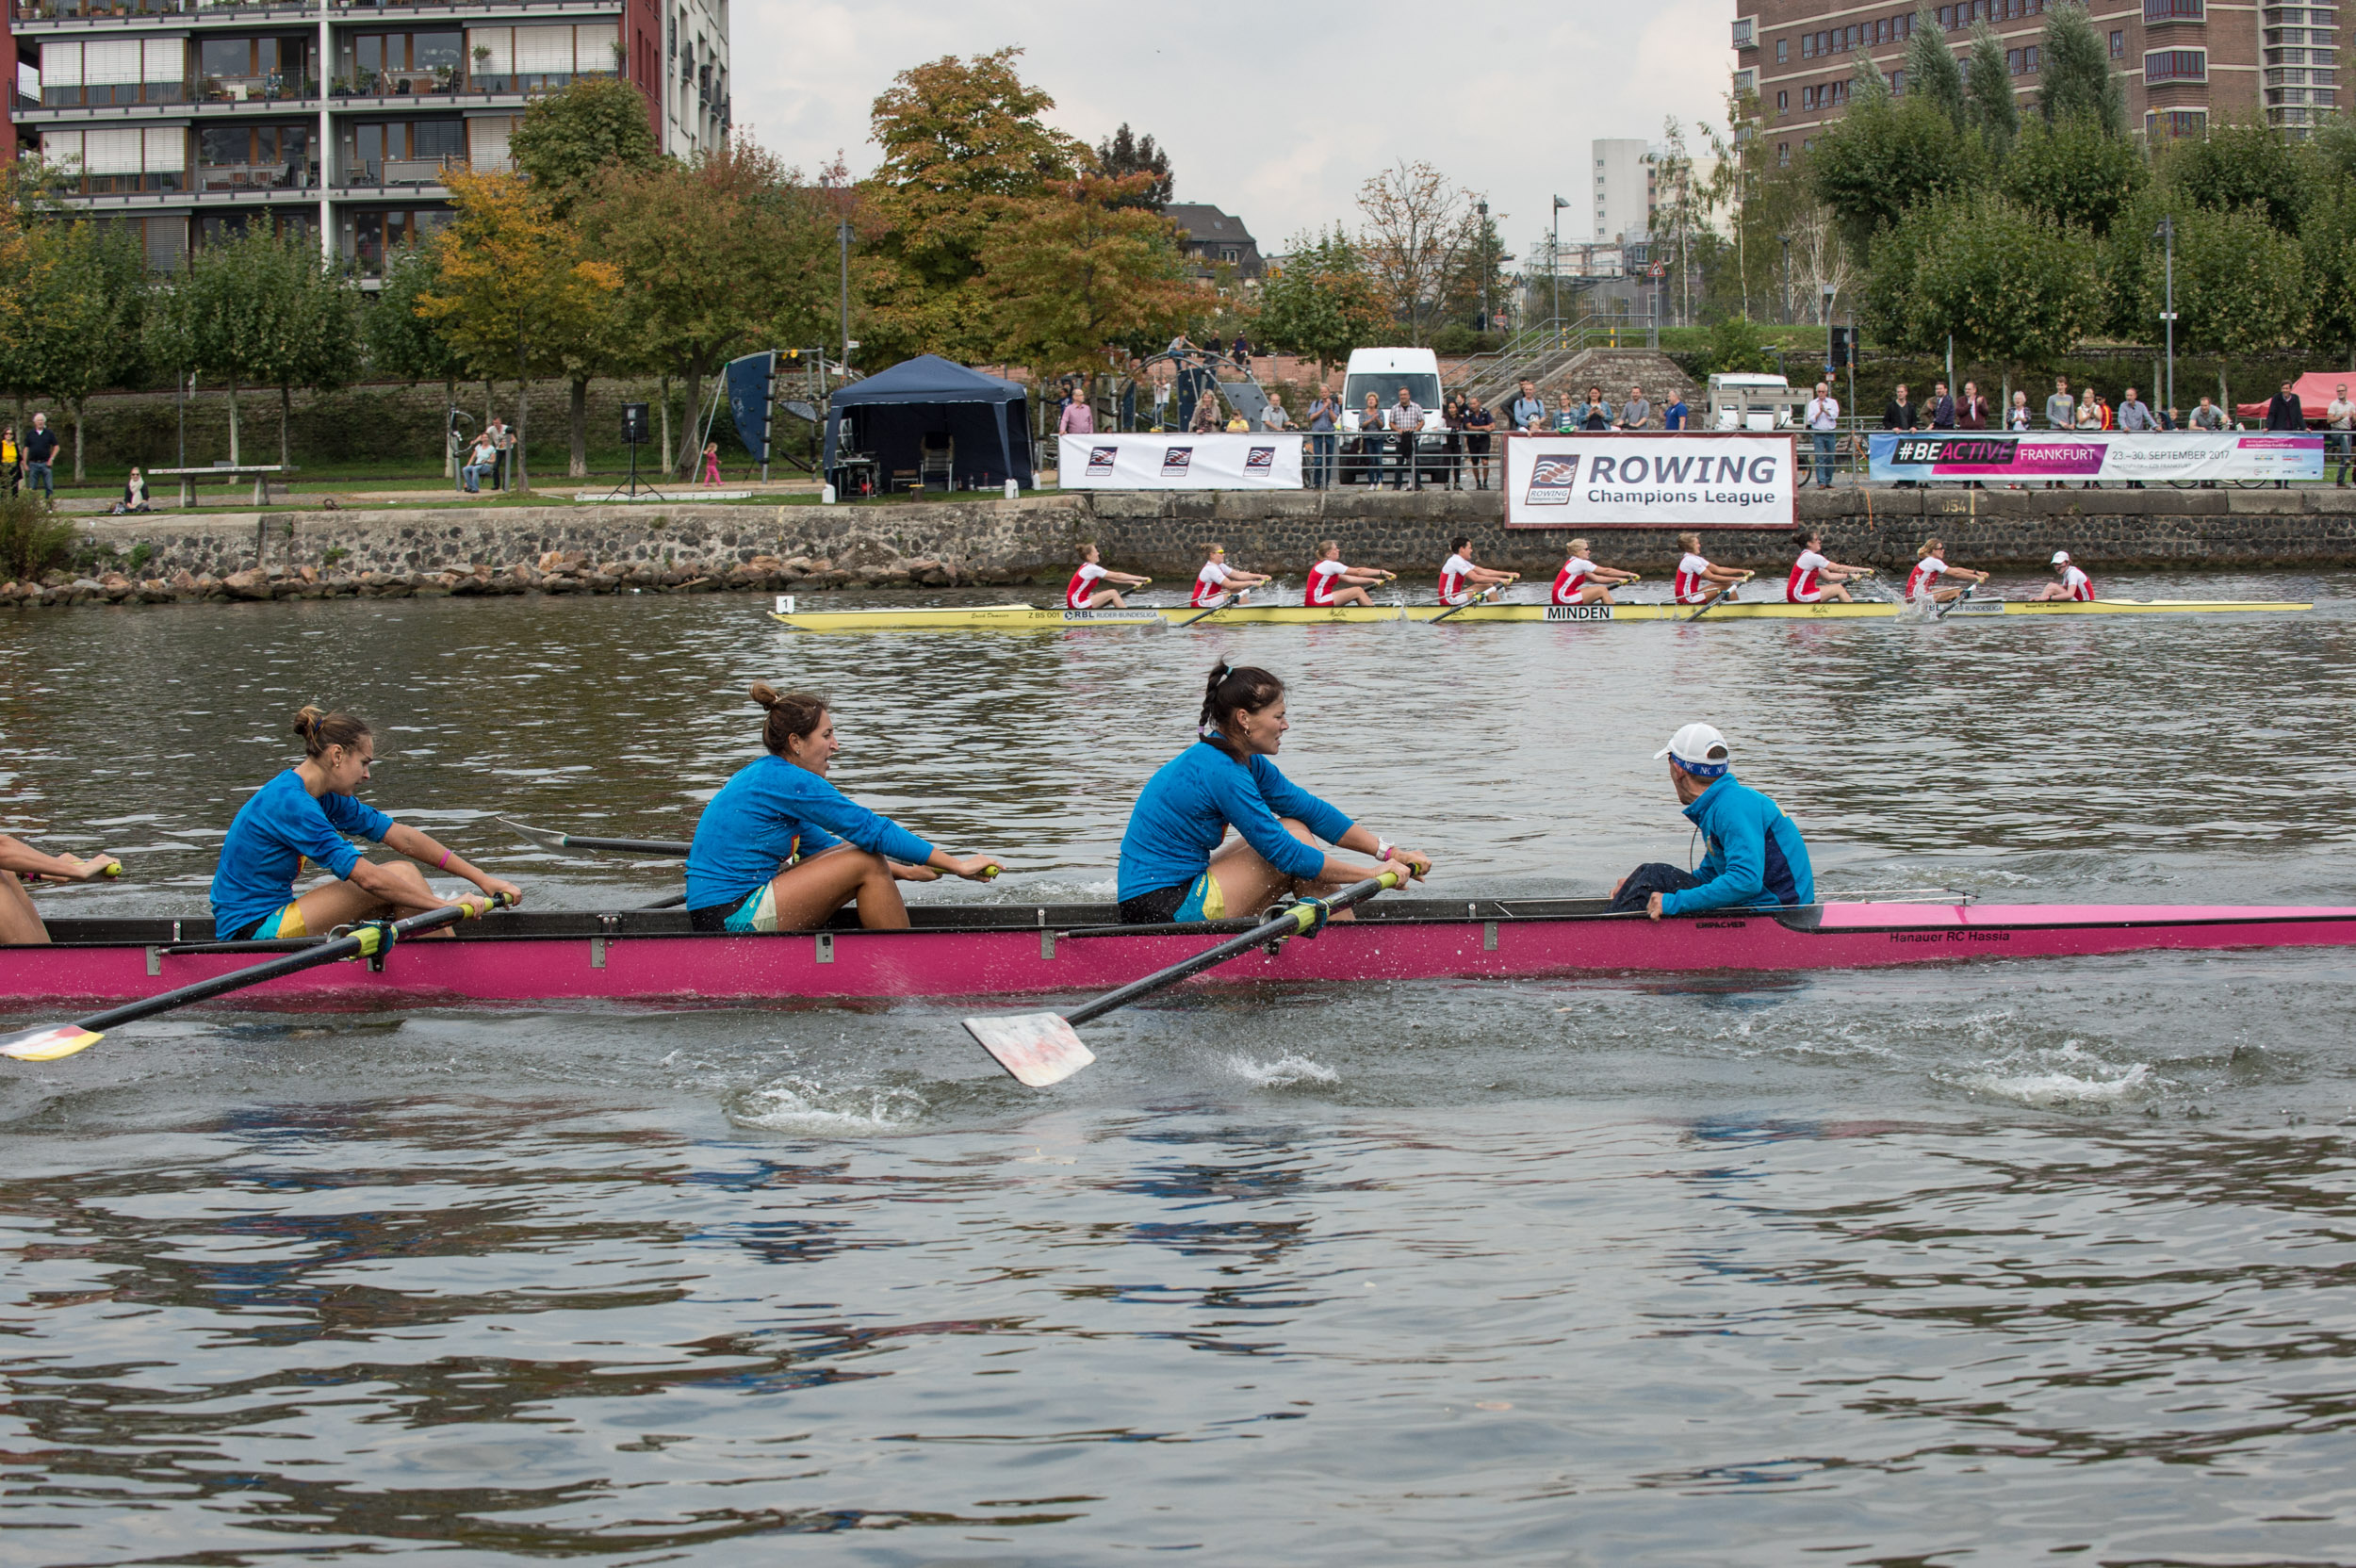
(2316, 390)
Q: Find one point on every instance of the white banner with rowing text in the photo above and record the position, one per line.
(1262, 460)
(1668, 481)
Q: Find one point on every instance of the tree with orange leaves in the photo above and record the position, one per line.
(516, 288)
(1083, 268)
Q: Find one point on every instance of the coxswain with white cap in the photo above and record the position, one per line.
(2073, 583)
(1755, 859)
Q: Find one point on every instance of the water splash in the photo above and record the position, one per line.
(1283, 1072)
(2061, 1075)
(794, 1104)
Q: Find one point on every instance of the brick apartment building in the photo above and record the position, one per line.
(2184, 60)
(191, 120)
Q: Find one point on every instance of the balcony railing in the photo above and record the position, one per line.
(395, 173)
(134, 10)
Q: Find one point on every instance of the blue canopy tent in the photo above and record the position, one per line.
(974, 429)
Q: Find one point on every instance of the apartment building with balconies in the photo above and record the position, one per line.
(2183, 62)
(192, 120)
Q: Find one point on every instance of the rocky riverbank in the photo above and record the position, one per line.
(689, 548)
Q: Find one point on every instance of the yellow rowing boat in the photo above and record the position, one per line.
(1023, 617)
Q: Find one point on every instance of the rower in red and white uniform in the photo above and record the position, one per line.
(1218, 583)
(1582, 582)
(1815, 580)
(1082, 592)
(1697, 580)
(1333, 584)
(2073, 583)
(1463, 580)
(1925, 583)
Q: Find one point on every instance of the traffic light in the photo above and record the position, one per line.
(1842, 346)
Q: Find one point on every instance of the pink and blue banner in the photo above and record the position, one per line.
(2182, 456)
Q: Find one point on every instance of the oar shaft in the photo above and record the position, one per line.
(1295, 920)
(292, 963)
(627, 846)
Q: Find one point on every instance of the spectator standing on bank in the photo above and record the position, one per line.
(1406, 420)
(1941, 407)
(2339, 417)
(1243, 351)
(2208, 415)
(1972, 413)
(2284, 413)
(1206, 415)
(711, 463)
(1325, 411)
(1899, 415)
(1566, 413)
(2135, 419)
(1479, 422)
(2091, 417)
(1675, 416)
(1526, 406)
(1077, 419)
(41, 453)
(1635, 414)
(1596, 415)
(1273, 417)
(1452, 444)
(2061, 412)
(1824, 427)
(11, 459)
(2017, 417)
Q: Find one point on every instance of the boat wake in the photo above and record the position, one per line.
(2049, 1076)
(794, 1104)
(1282, 1073)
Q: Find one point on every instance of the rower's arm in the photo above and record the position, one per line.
(402, 838)
(22, 858)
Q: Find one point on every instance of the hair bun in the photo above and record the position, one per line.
(307, 719)
(763, 694)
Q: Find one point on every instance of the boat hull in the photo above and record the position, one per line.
(1023, 617)
(653, 959)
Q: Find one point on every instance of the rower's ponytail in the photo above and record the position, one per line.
(1231, 689)
(1930, 547)
(794, 715)
(319, 730)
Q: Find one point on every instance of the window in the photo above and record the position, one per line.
(1808, 46)
(368, 236)
(2119, 46)
(1783, 154)
(401, 152)
(2173, 11)
(1898, 83)
(1783, 102)
(1808, 97)
(534, 59)
(1947, 17)
(403, 64)
(2176, 65)
(2034, 51)
(289, 223)
(253, 157)
(1783, 50)
(113, 70)
(1881, 32)
(1905, 27)
(1849, 39)
(122, 161)
(487, 137)
(234, 70)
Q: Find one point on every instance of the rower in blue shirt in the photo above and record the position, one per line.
(780, 849)
(1172, 865)
(303, 814)
(1755, 860)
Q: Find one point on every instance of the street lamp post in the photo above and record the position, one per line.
(1787, 277)
(2166, 234)
(842, 237)
(1554, 263)
(1486, 266)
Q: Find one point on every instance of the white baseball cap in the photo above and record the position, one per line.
(1699, 750)
(2061, 558)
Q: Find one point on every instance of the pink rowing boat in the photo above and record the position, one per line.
(979, 950)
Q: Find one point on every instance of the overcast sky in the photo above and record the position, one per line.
(1275, 114)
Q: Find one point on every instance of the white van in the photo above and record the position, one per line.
(1755, 402)
(1382, 372)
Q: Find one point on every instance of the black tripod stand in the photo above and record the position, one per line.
(634, 436)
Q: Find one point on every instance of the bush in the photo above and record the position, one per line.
(33, 538)
(1736, 348)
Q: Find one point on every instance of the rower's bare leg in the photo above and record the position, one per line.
(808, 893)
(1249, 884)
(1353, 595)
(19, 920)
(1835, 593)
(1596, 593)
(333, 904)
(1107, 598)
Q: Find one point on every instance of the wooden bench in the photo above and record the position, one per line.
(187, 478)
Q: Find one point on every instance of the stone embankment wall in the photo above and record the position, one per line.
(697, 549)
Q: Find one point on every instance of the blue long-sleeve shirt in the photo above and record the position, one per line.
(771, 811)
(278, 827)
(1188, 805)
(1756, 858)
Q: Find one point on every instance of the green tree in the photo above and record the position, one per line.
(1085, 266)
(1737, 348)
(2075, 170)
(1988, 99)
(1933, 74)
(2244, 165)
(90, 300)
(249, 312)
(2075, 76)
(1880, 160)
(719, 257)
(962, 143)
(2327, 248)
(1324, 304)
(405, 345)
(2003, 281)
(514, 286)
(569, 136)
(1123, 153)
(2241, 286)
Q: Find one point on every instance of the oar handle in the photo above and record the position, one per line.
(1301, 918)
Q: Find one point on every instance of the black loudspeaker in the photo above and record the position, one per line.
(633, 424)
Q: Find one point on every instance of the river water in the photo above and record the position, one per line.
(1997, 1264)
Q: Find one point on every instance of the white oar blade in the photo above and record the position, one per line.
(546, 837)
(49, 1045)
(1039, 1049)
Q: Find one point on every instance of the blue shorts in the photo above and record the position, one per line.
(757, 911)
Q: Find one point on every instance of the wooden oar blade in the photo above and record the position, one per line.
(48, 1045)
(1039, 1049)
